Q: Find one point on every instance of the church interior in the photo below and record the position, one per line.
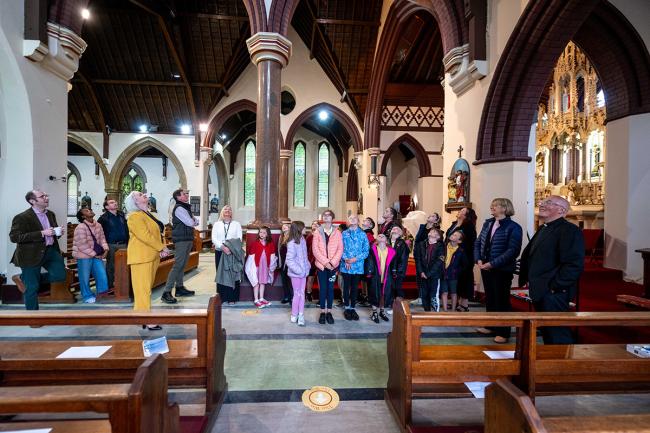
(268, 113)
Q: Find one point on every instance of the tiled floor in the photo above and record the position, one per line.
(270, 362)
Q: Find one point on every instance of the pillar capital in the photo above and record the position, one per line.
(285, 153)
(374, 151)
(269, 46)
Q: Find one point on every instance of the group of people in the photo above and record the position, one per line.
(551, 263)
(94, 244)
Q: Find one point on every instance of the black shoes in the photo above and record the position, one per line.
(309, 297)
(383, 316)
(321, 319)
(329, 318)
(182, 291)
(152, 327)
(354, 315)
(285, 300)
(374, 317)
(167, 298)
(347, 314)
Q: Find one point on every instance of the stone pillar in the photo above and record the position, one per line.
(113, 194)
(270, 52)
(283, 199)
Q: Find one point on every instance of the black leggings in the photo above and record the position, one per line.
(350, 289)
(497, 295)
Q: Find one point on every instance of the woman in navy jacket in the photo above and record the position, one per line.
(496, 251)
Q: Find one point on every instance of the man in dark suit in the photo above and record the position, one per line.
(35, 231)
(552, 263)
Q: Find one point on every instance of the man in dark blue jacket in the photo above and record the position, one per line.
(552, 263)
(117, 235)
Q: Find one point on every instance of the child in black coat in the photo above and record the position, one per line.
(429, 265)
(455, 263)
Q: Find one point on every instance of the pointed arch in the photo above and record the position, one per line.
(88, 147)
(338, 114)
(136, 148)
(223, 115)
(609, 40)
(352, 190)
(424, 165)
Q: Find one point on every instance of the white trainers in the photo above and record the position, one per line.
(389, 311)
(301, 320)
(417, 301)
(293, 319)
(90, 300)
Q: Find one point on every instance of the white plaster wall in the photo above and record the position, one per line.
(34, 106)
(463, 117)
(627, 206)
(89, 183)
(401, 177)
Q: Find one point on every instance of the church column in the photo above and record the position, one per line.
(283, 201)
(270, 52)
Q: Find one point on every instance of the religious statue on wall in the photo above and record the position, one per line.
(214, 204)
(86, 201)
(360, 203)
(458, 184)
(152, 203)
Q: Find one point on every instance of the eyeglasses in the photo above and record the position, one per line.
(550, 203)
(42, 196)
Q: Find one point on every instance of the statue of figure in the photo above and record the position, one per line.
(451, 189)
(360, 203)
(461, 186)
(214, 204)
(152, 203)
(572, 189)
(86, 201)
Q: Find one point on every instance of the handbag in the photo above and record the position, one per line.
(99, 250)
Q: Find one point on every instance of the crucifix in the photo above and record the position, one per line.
(460, 151)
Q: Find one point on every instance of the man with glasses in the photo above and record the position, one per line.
(183, 224)
(35, 233)
(552, 263)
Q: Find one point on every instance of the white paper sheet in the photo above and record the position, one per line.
(477, 388)
(84, 352)
(500, 354)
(38, 430)
(157, 345)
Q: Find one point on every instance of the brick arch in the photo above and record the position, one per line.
(223, 115)
(256, 15)
(352, 190)
(424, 165)
(608, 39)
(280, 15)
(74, 138)
(453, 29)
(338, 114)
(133, 150)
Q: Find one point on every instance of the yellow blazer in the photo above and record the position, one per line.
(145, 243)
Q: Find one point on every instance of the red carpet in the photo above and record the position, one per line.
(193, 424)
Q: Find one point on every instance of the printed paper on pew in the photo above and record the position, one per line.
(38, 430)
(477, 388)
(84, 352)
(157, 345)
(500, 354)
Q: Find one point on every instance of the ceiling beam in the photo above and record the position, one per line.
(216, 17)
(349, 22)
(138, 82)
(181, 69)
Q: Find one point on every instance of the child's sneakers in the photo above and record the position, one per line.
(301, 320)
(293, 319)
(264, 303)
(258, 304)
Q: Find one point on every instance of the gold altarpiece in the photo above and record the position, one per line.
(570, 139)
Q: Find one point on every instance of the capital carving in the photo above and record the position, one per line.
(462, 72)
(285, 153)
(374, 151)
(65, 48)
(269, 46)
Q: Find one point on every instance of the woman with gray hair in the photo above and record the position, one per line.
(146, 248)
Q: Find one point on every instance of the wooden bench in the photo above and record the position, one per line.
(510, 410)
(193, 362)
(137, 407)
(419, 370)
(123, 290)
(636, 302)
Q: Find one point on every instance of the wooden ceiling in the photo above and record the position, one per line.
(165, 63)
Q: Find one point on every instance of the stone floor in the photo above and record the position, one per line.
(270, 362)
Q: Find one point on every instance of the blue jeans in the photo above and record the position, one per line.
(96, 267)
(52, 261)
(326, 288)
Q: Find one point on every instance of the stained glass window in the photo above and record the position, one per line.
(249, 174)
(132, 181)
(323, 175)
(299, 165)
(73, 193)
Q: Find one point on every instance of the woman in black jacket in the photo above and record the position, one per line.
(466, 223)
(496, 251)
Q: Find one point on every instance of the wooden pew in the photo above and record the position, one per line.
(137, 407)
(123, 290)
(510, 410)
(417, 370)
(193, 362)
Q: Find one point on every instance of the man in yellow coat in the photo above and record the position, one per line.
(146, 248)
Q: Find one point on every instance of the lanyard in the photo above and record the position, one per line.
(225, 229)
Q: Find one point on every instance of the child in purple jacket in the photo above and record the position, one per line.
(298, 267)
